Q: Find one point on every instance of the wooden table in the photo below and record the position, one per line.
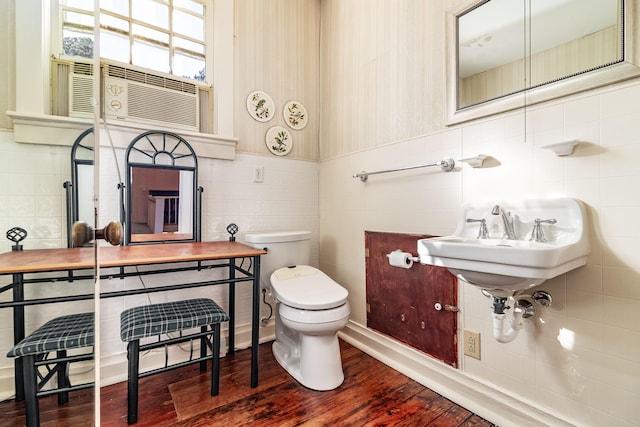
(198, 256)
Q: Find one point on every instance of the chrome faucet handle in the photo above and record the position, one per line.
(537, 234)
(483, 233)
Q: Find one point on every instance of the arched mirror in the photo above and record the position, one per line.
(80, 188)
(162, 193)
(499, 50)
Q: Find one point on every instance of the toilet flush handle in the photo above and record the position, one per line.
(447, 307)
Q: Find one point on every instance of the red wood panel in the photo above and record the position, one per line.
(401, 302)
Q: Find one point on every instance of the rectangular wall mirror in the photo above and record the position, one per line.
(504, 54)
(163, 197)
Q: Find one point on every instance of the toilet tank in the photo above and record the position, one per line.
(285, 248)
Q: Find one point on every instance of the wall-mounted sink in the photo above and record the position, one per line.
(504, 266)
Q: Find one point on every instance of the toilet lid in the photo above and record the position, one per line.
(307, 288)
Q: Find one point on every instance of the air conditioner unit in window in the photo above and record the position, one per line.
(132, 95)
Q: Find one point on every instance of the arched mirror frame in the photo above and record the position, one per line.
(626, 69)
(84, 143)
(149, 150)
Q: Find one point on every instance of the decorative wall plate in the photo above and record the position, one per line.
(279, 141)
(260, 106)
(295, 115)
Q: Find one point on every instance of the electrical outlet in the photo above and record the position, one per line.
(258, 174)
(472, 343)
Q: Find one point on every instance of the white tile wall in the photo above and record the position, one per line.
(31, 191)
(594, 380)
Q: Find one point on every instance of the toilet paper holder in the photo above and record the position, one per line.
(401, 259)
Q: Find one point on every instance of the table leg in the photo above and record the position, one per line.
(18, 333)
(255, 321)
(232, 307)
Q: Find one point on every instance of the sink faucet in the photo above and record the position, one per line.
(507, 219)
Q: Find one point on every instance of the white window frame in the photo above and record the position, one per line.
(58, 52)
(32, 120)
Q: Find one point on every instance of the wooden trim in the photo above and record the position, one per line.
(39, 260)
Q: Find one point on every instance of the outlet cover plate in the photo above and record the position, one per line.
(471, 342)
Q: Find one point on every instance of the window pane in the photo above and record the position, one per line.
(190, 5)
(163, 35)
(151, 12)
(120, 7)
(77, 18)
(148, 33)
(110, 22)
(150, 56)
(79, 4)
(189, 67)
(188, 25)
(114, 46)
(188, 45)
(77, 43)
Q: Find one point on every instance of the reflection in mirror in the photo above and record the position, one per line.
(80, 189)
(493, 39)
(548, 48)
(162, 189)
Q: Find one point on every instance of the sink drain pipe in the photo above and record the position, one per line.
(499, 317)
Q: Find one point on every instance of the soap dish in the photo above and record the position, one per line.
(475, 162)
(562, 149)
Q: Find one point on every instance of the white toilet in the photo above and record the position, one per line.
(310, 309)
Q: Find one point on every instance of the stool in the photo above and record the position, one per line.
(57, 335)
(157, 319)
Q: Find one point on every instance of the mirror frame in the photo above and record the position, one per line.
(628, 68)
(167, 149)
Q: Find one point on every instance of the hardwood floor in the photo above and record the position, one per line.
(372, 395)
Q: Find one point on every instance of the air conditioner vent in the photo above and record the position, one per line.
(151, 79)
(166, 106)
(81, 95)
(115, 71)
(82, 68)
(135, 76)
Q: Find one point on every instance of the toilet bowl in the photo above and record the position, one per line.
(310, 309)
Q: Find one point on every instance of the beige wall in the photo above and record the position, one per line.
(7, 62)
(382, 73)
(382, 107)
(276, 51)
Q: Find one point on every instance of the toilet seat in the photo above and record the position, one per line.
(315, 318)
(307, 288)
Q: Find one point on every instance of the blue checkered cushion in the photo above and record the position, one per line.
(155, 319)
(61, 333)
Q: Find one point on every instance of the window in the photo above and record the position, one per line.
(162, 35)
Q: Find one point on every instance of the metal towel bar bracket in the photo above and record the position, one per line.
(446, 165)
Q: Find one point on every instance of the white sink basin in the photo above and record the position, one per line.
(505, 266)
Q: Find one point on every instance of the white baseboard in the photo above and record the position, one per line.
(477, 397)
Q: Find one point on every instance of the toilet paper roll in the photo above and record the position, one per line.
(400, 259)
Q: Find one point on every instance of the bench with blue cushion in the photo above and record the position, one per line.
(160, 319)
(58, 335)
